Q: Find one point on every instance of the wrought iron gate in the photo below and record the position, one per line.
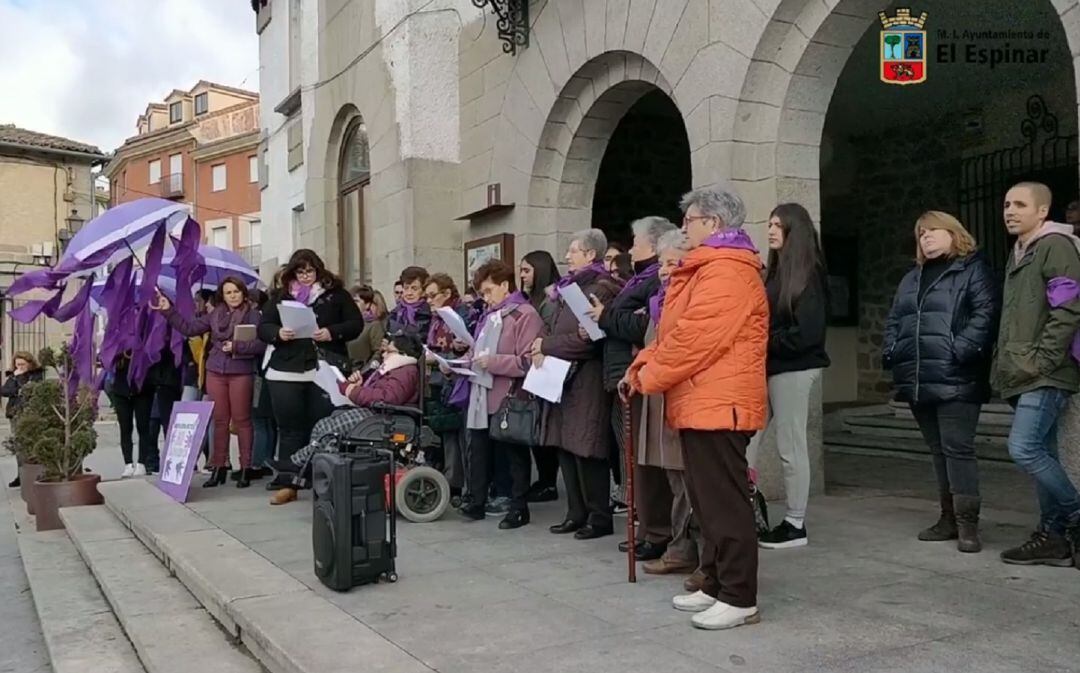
(1046, 156)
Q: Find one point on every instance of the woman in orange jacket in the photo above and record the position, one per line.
(709, 362)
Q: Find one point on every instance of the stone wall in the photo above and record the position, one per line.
(898, 174)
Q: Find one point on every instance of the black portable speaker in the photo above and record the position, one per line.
(353, 532)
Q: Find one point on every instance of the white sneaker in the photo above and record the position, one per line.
(140, 470)
(129, 471)
(724, 616)
(695, 602)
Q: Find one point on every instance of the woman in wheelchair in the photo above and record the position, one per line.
(396, 382)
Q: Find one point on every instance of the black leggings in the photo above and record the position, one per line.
(297, 408)
(134, 413)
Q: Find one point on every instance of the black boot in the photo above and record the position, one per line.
(217, 477)
(245, 478)
(15, 483)
(945, 528)
(967, 523)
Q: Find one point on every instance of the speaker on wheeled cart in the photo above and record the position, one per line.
(353, 534)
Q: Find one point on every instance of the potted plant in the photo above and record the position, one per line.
(56, 430)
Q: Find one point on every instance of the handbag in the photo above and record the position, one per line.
(517, 420)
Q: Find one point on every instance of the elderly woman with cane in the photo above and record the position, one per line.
(708, 361)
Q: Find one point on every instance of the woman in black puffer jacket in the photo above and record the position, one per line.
(939, 341)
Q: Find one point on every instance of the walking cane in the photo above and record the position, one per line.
(631, 508)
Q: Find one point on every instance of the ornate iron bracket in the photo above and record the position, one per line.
(513, 22)
(1039, 119)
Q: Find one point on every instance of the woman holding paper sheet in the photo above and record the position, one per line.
(510, 325)
(230, 370)
(297, 401)
(580, 424)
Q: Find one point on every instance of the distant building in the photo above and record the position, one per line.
(200, 147)
(46, 193)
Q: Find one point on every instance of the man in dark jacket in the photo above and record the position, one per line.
(1034, 368)
(625, 322)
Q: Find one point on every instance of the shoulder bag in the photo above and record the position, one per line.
(517, 420)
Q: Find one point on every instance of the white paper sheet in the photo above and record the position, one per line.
(579, 305)
(547, 381)
(455, 323)
(299, 318)
(452, 365)
(328, 377)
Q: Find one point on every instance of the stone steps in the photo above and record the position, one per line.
(81, 631)
(889, 425)
(169, 629)
(284, 624)
(985, 448)
(994, 413)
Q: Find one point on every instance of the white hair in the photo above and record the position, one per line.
(652, 228)
(673, 240)
(720, 201)
(591, 239)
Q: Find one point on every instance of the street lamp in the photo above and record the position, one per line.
(74, 223)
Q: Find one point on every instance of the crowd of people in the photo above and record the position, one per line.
(704, 346)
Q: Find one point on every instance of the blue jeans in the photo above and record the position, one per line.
(1033, 445)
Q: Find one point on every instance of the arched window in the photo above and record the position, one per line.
(354, 173)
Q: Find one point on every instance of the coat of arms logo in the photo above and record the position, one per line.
(903, 48)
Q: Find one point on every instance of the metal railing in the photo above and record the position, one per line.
(172, 186)
(252, 254)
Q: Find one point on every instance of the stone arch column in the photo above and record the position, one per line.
(575, 136)
(329, 187)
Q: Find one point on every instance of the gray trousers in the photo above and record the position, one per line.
(685, 542)
(789, 413)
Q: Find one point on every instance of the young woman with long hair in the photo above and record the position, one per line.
(297, 401)
(796, 285)
(538, 273)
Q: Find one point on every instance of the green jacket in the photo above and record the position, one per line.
(1034, 339)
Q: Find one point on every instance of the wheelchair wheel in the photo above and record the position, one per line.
(423, 494)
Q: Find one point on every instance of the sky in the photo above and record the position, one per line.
(86, 69)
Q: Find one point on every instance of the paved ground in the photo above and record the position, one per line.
(22, 649)
(864, 596)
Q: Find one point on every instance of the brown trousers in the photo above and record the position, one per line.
(716, 477)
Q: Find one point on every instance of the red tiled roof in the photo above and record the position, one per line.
(9, 133)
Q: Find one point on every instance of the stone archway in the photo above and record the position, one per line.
(334, 192)
(575, 136)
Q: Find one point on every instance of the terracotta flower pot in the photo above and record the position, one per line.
(52, 495)
(28, 474)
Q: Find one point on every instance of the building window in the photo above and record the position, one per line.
(155, 171)
(296, 145)
(220, 237)
(176, 164)
(253, 168)
(176, 112)
(354, 173)
(218, 177)
(202, 104)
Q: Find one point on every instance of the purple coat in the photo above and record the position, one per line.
(220, 323)
(511, 360)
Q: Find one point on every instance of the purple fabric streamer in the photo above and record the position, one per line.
(1061, 291)
(656, 303)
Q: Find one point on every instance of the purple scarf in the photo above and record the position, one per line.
(730, 238)
(656, 303)
(300, 292)
(595, 267)
(407, 310)
(640, 277)
(439, 328)
(513, 300)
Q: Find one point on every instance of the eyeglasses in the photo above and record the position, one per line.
(306, 272)
(687, 219)
(432, 295)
